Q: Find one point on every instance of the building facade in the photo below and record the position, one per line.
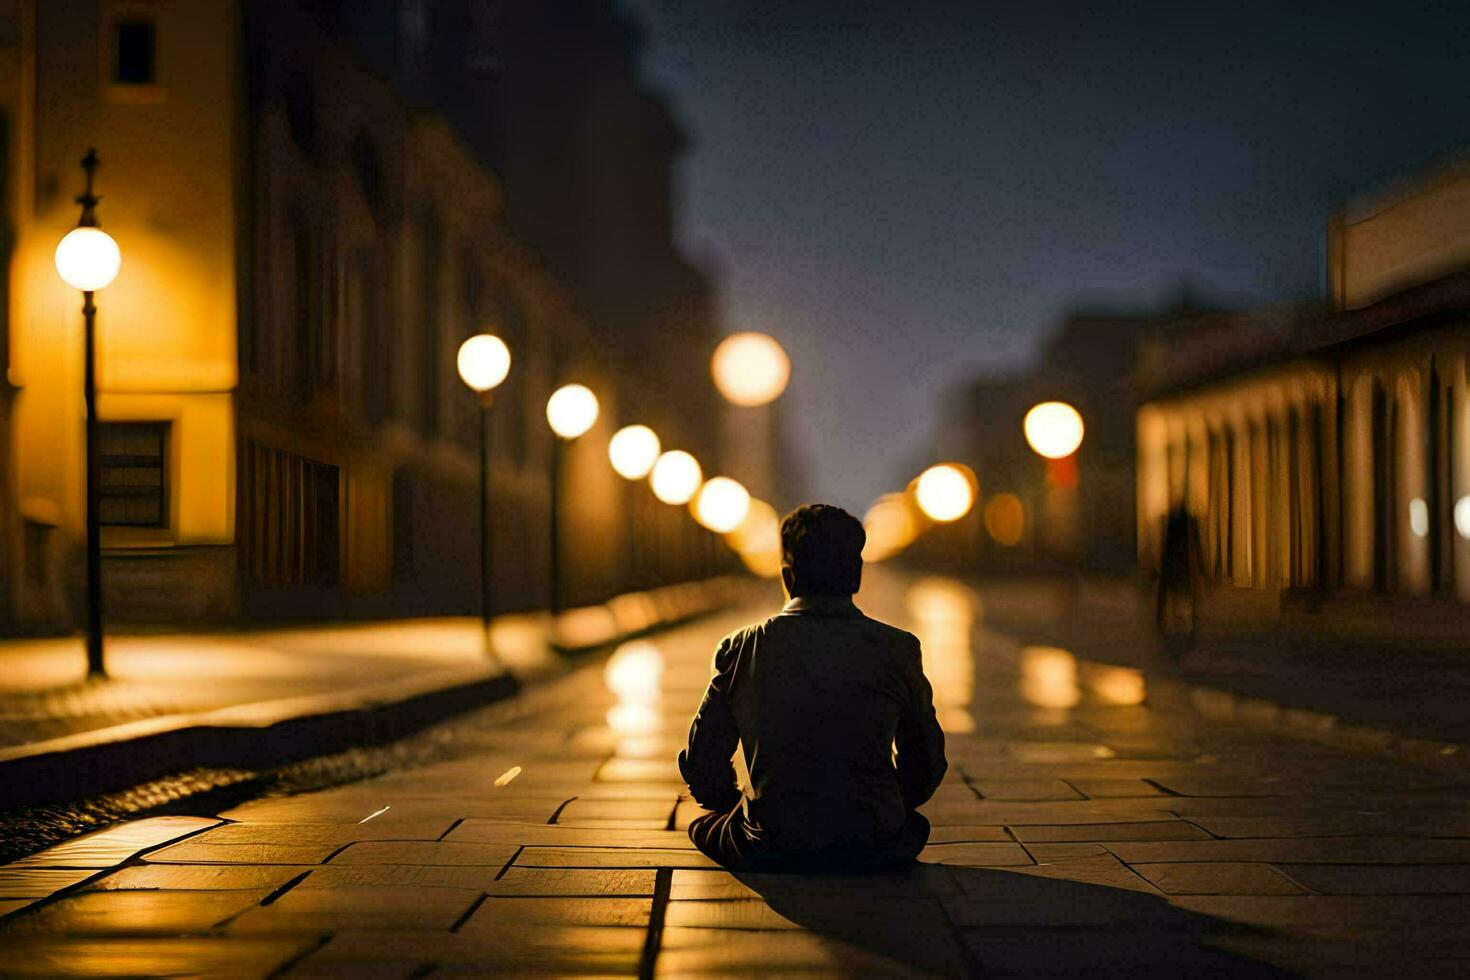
(1333, 460)
(284, 432)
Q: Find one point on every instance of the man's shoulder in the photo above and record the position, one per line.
(890, 634)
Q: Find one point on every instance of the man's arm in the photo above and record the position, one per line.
(706, 764)
(920, 740)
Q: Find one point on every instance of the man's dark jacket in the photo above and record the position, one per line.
(819, 697)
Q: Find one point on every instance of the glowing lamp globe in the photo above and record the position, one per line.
(571, 410)
(483, 362)
(633, 450)
(1054, 429)
(750, 368)
(676, 477)
(944, 493)
(721, 505)
(88, 259)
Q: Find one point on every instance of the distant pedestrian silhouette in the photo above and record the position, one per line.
(818, 697)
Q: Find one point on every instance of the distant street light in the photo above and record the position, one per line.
(571, 411)
(633, 450)
(676, 477)
(88, 259)
(1053, 429)
(484, 362)
(750, 369)
(944, 493)
(721, 505)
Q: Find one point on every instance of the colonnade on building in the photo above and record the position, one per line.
(1347, 470)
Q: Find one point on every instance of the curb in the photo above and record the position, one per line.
(268, 734)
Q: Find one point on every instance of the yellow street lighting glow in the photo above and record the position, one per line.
(676, 477)
(891, 526)
(633, 450)
(1054, 429)
(634, 672)
(721, 505)
(483, 362)
(1005, 518)
(944, 493)
(759, 531)
(571, 410)
(88, 259)
(750, 368)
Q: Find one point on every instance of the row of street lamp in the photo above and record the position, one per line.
(750, 369)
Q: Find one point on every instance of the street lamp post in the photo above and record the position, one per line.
(632, 451)
(571, 411)
(1054, 431)
(483, 363)
(88, 259)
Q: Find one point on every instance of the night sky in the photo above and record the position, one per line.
(907, 194)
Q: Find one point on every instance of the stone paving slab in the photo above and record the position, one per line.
(41, 955)
(506, 832)
(1314, 850)
(1212, 878)
(309, 909)
(145, 913)
(1381, 879)
(984, 855)
(198, 877)
(191, 853)
(500, 914)
(1152, 830)
(453, 853)
(608, 857)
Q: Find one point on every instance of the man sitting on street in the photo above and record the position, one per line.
(834, 718)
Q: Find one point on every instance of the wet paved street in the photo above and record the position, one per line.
(1078, 830)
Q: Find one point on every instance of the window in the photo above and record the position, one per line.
(134, 487)
(133, 58)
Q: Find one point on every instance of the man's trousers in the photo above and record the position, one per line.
(732, 841)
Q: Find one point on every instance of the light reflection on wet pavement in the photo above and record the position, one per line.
(1080, 828)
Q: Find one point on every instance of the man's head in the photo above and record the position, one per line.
(821, 551)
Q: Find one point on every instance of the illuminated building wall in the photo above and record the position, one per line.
(155, 88)
(302, 255)
(1338, 455)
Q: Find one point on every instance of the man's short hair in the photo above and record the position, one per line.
(823, 546)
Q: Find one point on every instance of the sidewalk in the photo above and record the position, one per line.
(1307, 681)
(1080, 829)
(196, 686)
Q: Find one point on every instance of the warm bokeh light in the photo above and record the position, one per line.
(760, 530)
(750, 368)
(891, 526)
(757, 539)
(1049, 677)
(88, 259)
(633, 450)
(1005, 518)
(944, 493)
(676, 477)
(1053, 429)
(571, 410)
(721, 504)
(944, 613)
(1114, 685)
(634, 672)
(483, 362)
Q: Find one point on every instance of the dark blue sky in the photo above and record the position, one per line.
(909, 193)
